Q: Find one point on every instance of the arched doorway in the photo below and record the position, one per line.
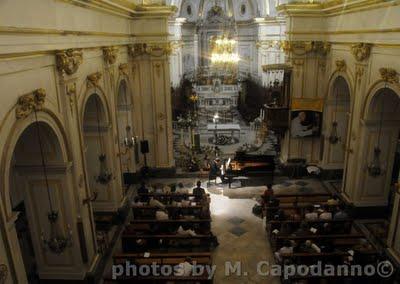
(380, 132)
(39, 183)
(127, 139)
(336, 125)
(98, 152)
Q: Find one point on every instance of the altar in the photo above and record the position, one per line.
(229, 128)
(222, 98)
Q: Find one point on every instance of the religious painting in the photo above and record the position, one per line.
(305, 123)
(306, 117)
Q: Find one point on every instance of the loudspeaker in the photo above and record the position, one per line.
(197, 141)
(144, 146)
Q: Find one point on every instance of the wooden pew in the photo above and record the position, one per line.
(167, 241)
(303, 198)
(150, 211)
(339, 239)
(276, 224)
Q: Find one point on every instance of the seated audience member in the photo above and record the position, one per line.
(326, 229)
(325, 215)
(334, 201)
(184, 269)
(161, 215)
(311, 215)
(273, 202)
(268, 193)
(341, 214)
(155, 203)
(303, 230)
(183, 232)
(309, 247)
(167, 189)
(198, 191)
(181, 189)
(137, 202)
(143, 190)
(279, 215)
(286, 249)
(327, 246)
(296, 215)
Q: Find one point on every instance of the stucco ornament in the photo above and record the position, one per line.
(68, 61)
(28, 103)
(361, 51)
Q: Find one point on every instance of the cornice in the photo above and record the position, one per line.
(332, 7)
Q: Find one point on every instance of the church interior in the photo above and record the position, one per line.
(200, 141)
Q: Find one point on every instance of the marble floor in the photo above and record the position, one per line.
(242, 239)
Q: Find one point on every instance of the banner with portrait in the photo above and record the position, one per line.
(306, 117)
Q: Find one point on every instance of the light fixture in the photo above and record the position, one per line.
(129, 140)
(333, 137)
(57, 241)
(374, 169)
(223, 51)
(104, 176)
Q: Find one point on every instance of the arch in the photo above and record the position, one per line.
(97, 90)
(44, 116)
(348, 78)
(376, 90)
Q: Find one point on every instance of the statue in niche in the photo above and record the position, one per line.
(217, 86)
(243, 9)
(189, 10)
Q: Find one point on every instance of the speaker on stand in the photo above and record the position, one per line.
(144, 149)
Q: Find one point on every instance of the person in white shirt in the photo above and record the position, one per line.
(298, 127)
(286, 249)
(311, 215)
(325, 215)
(185, 268)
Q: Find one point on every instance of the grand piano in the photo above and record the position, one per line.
(252, 164)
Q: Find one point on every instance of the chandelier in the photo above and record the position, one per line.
(104, 177)
(223, 51)
(57, 242)
(374, 168)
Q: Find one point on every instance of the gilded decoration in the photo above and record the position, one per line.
(304, 47)
(3, 273)
(68, 61)
(28, 103)
(341, 65)
(359, 73)
(110, 54)
(389, 75)
(94, 79)
(361, 51)
(123, 69)
(152, 49)
(71, 91)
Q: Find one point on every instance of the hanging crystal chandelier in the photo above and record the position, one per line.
(57, 242)
(374, 169)
(223, 51)
(333, 137)
(104, 176)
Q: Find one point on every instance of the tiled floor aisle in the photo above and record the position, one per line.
(242, 238)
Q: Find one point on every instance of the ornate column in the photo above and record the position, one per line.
(354, 171)
(68, 62)
(150, 56)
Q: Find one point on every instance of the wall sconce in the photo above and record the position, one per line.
(104, 176)
(129, 140)
(374, 169)
(56, 243)
(333, 137)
